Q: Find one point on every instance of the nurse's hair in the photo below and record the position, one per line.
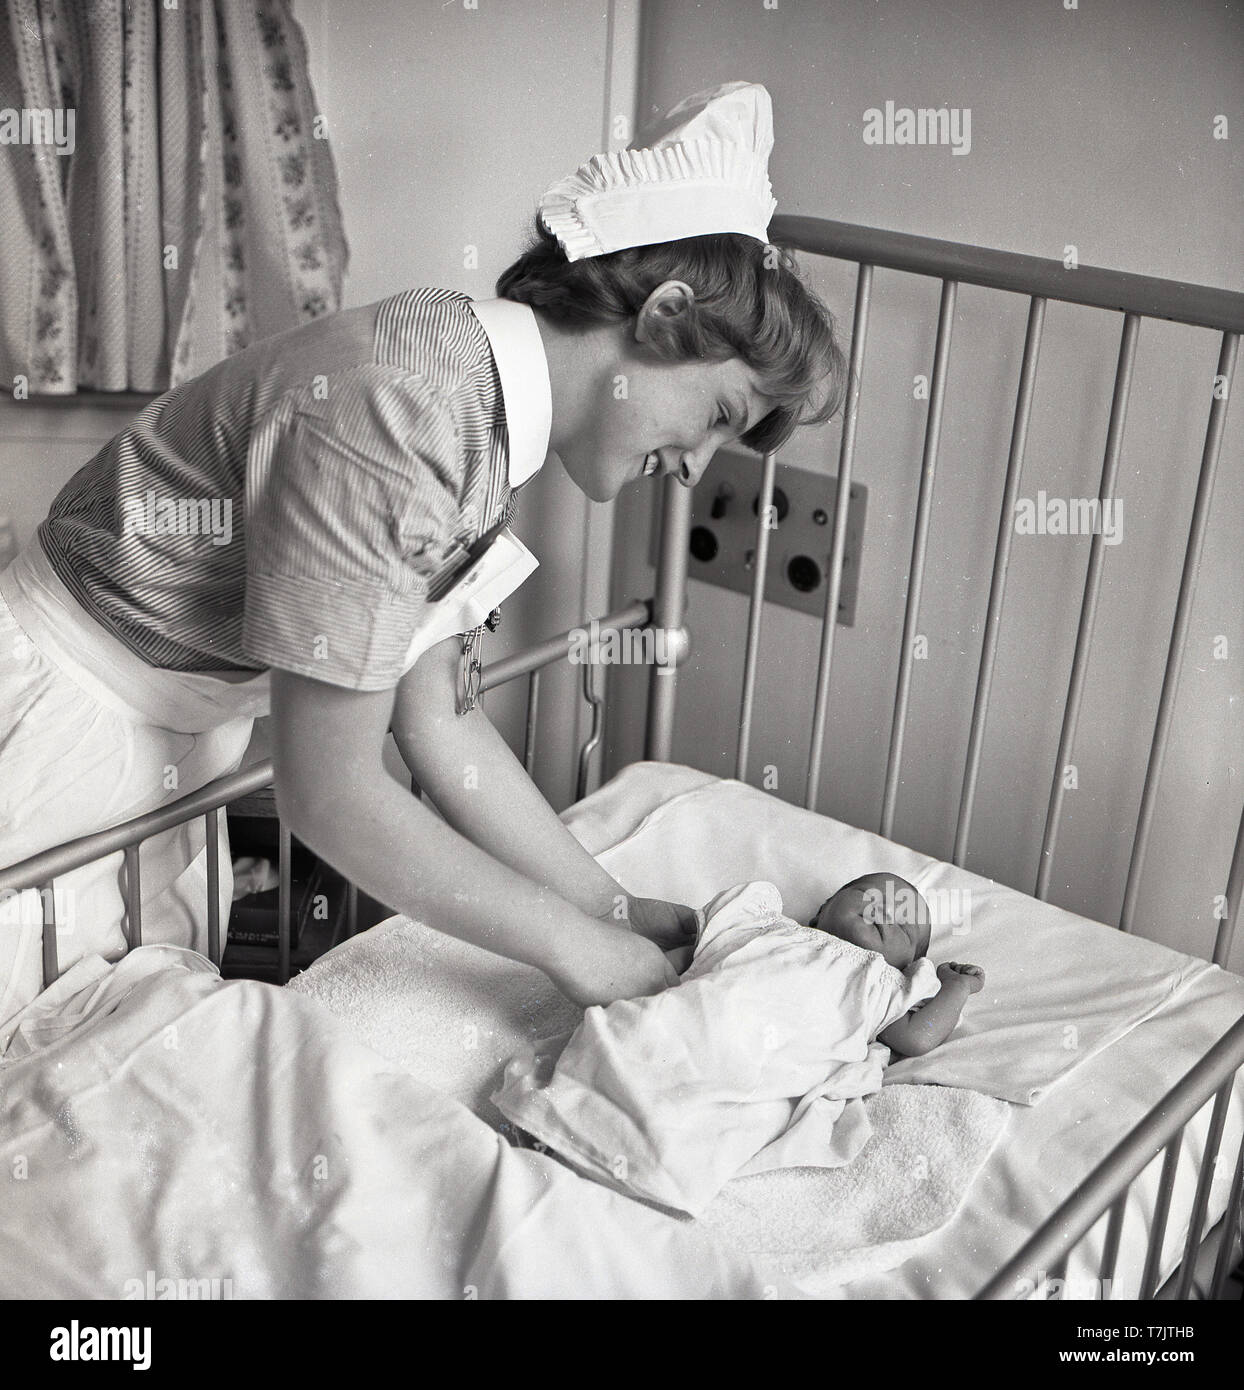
(749, 303)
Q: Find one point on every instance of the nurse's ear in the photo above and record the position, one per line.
(662, 321)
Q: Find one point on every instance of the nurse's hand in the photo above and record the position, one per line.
(605, 962)
(668, 924)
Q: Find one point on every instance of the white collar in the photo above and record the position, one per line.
(514, 337)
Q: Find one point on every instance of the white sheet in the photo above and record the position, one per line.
(1049, 1148)
(163, 1124)
(1059, 988)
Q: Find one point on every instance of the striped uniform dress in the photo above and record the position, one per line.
(293, 506)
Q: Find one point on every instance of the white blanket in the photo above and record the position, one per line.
(160, 1124)
(455, 1014)
(1059, 989)
(758, 1059)
(443, 1009)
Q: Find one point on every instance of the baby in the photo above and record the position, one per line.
(886, 914)
(760, 1058)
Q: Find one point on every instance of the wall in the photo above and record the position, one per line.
(446, 123)
(1089, 127)
(42, 445)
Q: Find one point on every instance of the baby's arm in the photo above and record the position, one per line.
(925, 1027)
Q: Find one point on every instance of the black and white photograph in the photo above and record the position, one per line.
(621, 666)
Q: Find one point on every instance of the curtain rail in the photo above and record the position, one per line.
(1203, 306)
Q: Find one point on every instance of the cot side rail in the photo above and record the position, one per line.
(40, 871)
(1045, 1252)
(1203, 306)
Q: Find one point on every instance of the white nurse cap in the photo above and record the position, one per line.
(706, 169)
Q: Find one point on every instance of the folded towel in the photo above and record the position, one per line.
(823, 1228)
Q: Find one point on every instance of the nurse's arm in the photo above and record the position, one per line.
(335, 795)
(482, 789)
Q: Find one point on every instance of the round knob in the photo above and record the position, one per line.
(804, 573)
(703, 544)
(781, 504)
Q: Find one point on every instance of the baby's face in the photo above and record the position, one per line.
(879, 912)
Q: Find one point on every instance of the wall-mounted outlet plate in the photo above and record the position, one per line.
(723, 533)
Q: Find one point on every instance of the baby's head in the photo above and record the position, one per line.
(878, 912)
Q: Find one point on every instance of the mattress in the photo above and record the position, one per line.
(1131, 1016)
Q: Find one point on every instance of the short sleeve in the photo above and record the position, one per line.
(353, 497)
(906, 989)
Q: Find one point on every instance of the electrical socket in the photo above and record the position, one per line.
(798, 567)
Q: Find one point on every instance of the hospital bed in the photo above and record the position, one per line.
(1126, 1178)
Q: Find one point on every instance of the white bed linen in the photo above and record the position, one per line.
(1058, 987)
(1049, 1146)
(158, 1123)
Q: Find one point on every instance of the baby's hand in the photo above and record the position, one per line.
(972, 975)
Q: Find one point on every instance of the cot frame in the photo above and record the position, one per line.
(1209, 1082)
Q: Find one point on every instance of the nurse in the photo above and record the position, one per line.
(315, 528)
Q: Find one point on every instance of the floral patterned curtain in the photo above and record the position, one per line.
(167, 194)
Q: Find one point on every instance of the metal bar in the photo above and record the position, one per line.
(846, 455)
(667, 616)
(127, 402)
(919, 551)
(47, 902)
(636, 614)
(1235, 891)
(87, 848)
(1110, 1250)
(593, 738)
(212, 820)
(1088, 604)
(283, 903)
(1204, 306)
(1059, 1271)
(1109, 1180)
(529, 737)
(1205, 1178)
(997, 583)
(1179, 628)
(755, 610)
(1230, 1228)
(1157, 1232)
(133, 898)
(52, 863)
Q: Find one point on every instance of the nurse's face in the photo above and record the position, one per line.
(646, 416)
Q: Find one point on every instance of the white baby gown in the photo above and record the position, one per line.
(758, 1059)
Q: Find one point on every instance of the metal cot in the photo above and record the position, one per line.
(1133, 298)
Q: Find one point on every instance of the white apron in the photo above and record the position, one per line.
(90, 736)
